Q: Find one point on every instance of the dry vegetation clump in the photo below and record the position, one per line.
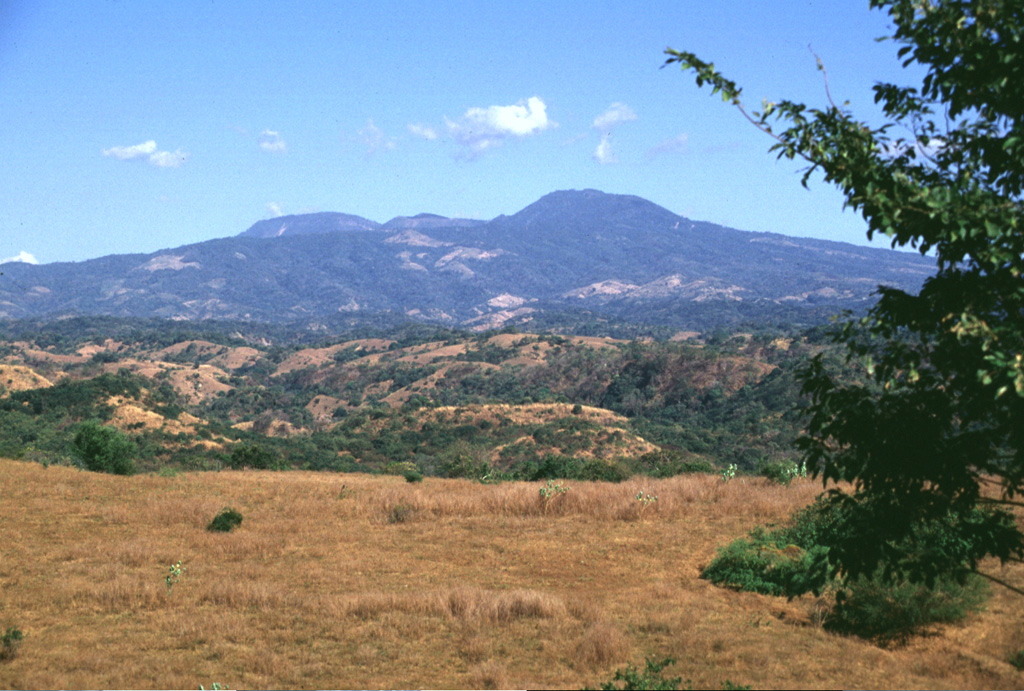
(480, 587)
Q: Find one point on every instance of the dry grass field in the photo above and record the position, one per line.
(341, 581)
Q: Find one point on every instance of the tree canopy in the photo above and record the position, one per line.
(936, 431)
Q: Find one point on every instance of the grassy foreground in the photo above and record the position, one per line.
(341, 581)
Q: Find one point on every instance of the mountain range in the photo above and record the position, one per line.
(571, 252)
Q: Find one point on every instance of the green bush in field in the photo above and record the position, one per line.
(104, 449)
(10, 642)
(224, 522)
(794, 559)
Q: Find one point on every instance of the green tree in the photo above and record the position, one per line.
(104, 449)
(942, 412)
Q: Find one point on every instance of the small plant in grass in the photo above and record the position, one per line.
(644, 500)
(174, 573)
(224, 522)
(1017, 659)
(550, 491)
(413, 476)
(634, 679)
(729, 472)
(400, 513)
(10, 642)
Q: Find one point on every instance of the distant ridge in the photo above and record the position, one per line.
(309, 224)
(569, 256)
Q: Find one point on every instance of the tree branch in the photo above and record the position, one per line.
(998, 581)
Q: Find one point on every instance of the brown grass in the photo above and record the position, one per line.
(20, 378)
(480, 587)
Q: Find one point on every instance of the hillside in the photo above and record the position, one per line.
(568, 254)
(501, 405)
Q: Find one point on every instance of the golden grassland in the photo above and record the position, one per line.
(340, 581)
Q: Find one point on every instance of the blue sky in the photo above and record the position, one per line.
(136, 126)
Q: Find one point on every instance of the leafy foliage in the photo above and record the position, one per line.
(942, 409)
(650, 678)
(10, 642)
(225, 521)
(794, 559)
(104, 449)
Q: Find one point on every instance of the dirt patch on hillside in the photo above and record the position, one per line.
(318, 357)
(198, 384)
(234, 358)
(428, 353)
(108, 346)
(200, 348)
(21, 378)
(322, 408)
(129, 415)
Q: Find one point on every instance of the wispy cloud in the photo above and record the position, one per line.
(603, 154)
(481, 129)
(616, 114)
(375, 140)
(147, 150)
(675, 145)
(424, 131)
(22, 256)
(274, 208)
(271, 141)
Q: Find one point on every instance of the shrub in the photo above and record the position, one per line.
(400, 513)
(650, 678)
(224, 522)
(253, 456)
(10, 642)
(891, 613)
(104, 449)
(1017, 659)
(413, 476)
(794, 559)
(782, 472)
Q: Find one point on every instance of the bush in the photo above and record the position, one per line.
(10, 642)
(413, 476)
(400, 513)
(1017, 659)
(782, 472)
(650, 678)
(104, 449)
(891, 613)
(224, 522)
(793, 560)
(254, 456)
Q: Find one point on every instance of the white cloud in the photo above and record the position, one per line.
(147, 150)
(271, 141)
(22, 256)
(375, 139)
(166, 159)
(480, 129)
(616, 114)
(603, 154)
(423, 131)
(274, 208)
(125, 153)
(675, 145)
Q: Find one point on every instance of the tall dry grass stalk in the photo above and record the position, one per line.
(480, 586)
